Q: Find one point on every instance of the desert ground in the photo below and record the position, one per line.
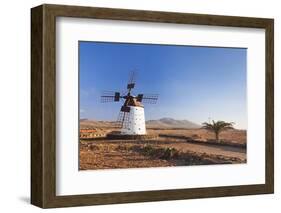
(170, 145)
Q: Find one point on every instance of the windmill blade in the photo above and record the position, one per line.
(105, 99)
(108, 93)
(122, 120)
(117, 96)
(139, 97)
(149, 98)
(132, 80)
(110, 96)
(125, 109)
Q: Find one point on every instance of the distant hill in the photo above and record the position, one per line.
(171, 123)
(85, 123)
(162, 123)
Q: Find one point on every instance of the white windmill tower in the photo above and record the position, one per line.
(131, 116)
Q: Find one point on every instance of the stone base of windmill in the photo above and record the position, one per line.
(119, 136)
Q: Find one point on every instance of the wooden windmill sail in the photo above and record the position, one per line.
(131, 117)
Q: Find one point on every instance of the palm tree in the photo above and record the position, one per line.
(218, 127)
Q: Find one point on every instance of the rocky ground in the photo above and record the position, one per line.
(162, 152)
(171, 147)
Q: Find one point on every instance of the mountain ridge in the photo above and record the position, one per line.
(164, 123)
(167, 122)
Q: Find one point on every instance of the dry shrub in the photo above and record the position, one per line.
(157, 152)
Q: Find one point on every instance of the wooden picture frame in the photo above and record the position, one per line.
(43, 105)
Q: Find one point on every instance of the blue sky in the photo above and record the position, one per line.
(193, 83)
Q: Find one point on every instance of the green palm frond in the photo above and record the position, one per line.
(217, 126)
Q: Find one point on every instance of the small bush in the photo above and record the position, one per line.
(170, 153)
(148, 150)
(93, 147)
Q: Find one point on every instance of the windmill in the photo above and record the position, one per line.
(131, 117)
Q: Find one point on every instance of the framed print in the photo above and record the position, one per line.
(136, 106)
